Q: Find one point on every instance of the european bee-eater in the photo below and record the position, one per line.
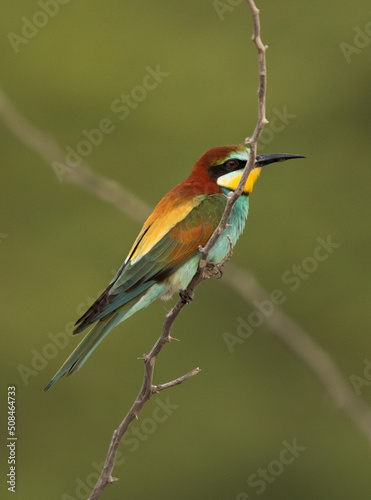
(165, 255)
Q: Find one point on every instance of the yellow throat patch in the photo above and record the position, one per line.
(231, 180)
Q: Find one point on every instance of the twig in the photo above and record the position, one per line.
(146, 391)
(147, 388)
(81, 174)
(177, 381)
(299, 341)
(262, 121)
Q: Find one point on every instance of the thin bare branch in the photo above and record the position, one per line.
(145, 393)
(304, 347)
(233, 196)
(177, 381)
(316, 358)
(262, 120)
(171, 316)
(38, 141)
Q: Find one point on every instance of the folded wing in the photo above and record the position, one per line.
(167, 240)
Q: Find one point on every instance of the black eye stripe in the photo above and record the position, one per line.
(217, 171)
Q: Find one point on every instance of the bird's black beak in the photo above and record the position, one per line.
(262, 160)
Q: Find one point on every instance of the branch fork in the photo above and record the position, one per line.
(203, 272)
(320, 363)
(318, 360)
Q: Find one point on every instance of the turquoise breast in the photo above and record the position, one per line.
(234, 230)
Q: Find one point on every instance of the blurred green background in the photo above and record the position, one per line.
(59, 245)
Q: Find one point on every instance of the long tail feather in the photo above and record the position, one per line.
(86, 347)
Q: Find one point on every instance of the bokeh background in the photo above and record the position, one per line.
(59, 245)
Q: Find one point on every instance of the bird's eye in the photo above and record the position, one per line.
(232, 164)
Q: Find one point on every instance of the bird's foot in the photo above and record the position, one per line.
(186, 297)
(213, 269)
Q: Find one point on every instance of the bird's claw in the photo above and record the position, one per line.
(212, 270)
(186, 297)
